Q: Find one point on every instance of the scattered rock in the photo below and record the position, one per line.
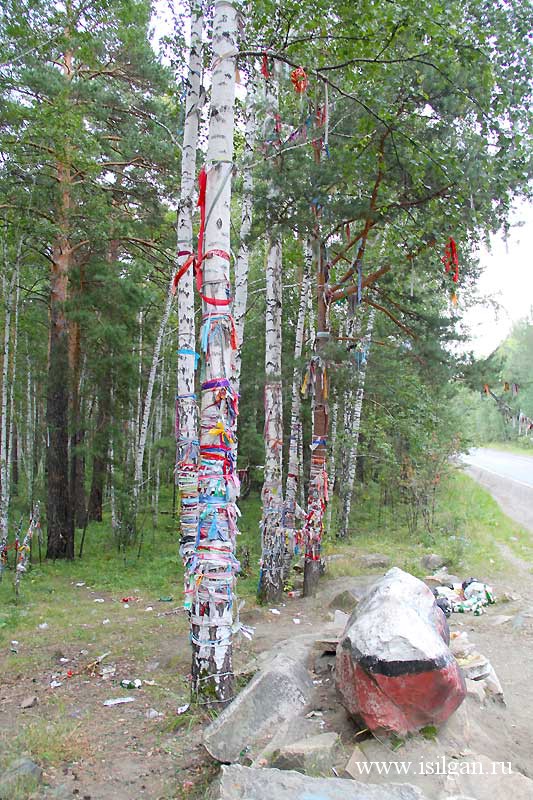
(345, 601)
(314, 755)
(475, 666)
(442, 578)
(29, 702)
(509, 597)
(394, 670)
(500, 619)
(324, 664)
(340, 619)
(152, 714)
(242, 783)
(475, 689)
(374, 561)
(484, 779)
(433, 562)
(20, 773)
(356, 758)
(276, 694)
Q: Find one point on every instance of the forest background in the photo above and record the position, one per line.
(413, 131)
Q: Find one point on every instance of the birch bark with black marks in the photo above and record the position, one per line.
(213, 578)
(243, 256)
(294, 469)
(186, 417)
(272, 529)
(355, 406)
(146, 405)
(8, 290)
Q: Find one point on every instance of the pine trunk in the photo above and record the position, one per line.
(270, 587)
(59, 519)
(213, 582)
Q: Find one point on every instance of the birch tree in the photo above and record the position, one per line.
(213, 566)
(354, 404)
(272, 530)
(9, 291)
(186, 423)
(295, 461)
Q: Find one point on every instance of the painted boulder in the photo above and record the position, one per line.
(394, 669)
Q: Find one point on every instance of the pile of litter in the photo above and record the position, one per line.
(470, 595)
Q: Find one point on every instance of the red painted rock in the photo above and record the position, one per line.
(394, 669)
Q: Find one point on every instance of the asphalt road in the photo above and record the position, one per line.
(507, 465)
(508, 477)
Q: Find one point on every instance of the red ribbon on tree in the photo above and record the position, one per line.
(451, 258)
(264, 67)
(299, 80)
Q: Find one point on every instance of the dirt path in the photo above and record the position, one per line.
(143, 748)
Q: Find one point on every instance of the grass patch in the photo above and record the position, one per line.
(467, 525)
(521, 447)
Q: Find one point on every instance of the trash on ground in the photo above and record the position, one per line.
(118, 701)
(43, 626)
(131, 683)
(55, 684)
(275, 611)
(183, 709)
(471, 595)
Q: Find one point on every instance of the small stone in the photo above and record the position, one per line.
(475, 689)
(242, 783)
(433, 561)
(374, 561)
(340, 619)
(475, 666)
(313, 755)
(152, 714)
(29, 702)
(500, 619)
(19, 771)
(356, 758)
(344, 601)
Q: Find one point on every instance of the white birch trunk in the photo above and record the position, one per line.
(295, 440)
(243, 257)
(8, 287)
(272, 530)
(30, 417)
(213, 582)
(158, 426)
(12, 381)
(186, 420)
(147, 409)
(355, 426)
